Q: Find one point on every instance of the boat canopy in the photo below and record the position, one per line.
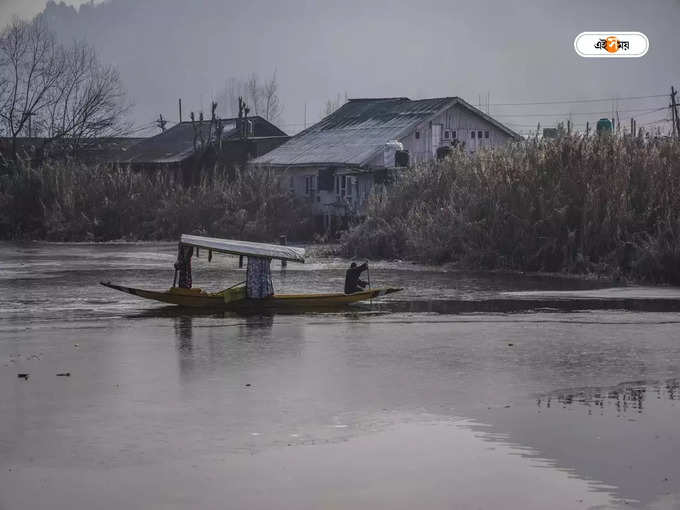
(247, 248)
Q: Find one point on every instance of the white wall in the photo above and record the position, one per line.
(460, 120)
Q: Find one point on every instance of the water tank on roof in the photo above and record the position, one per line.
(390, 149)
(604, 126)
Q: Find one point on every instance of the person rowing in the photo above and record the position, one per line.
(353, 282)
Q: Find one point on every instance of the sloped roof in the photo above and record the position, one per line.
(177, 143)
(355, 132)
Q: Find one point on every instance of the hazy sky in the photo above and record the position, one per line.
(519, 51)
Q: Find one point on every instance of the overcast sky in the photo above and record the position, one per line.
(519, 51)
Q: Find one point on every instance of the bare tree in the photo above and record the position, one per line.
(87, 102)
(66, 94)
(31, 64)
(263, 99)
(332, 105)
(254, 94)
(233, 89)
(270, 98)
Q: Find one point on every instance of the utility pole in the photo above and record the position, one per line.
(674, 111)
(161, 122)
(180, 108)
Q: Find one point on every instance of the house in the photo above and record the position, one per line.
(189, 146)
(336, 162)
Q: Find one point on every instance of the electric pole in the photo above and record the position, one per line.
(161, 122)
(674, 111)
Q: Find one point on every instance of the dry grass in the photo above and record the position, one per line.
(75, 203)
(604, 205)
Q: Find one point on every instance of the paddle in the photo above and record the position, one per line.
(368, 274)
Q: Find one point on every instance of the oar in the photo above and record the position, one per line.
(236, 284)
(368, 274)
(239, 283)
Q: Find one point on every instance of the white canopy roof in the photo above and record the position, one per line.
(273, 251)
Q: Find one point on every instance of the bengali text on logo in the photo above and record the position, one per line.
(611, 44)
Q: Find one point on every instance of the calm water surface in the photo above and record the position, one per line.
(464, 391)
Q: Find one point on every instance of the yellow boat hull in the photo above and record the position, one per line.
(196, 298)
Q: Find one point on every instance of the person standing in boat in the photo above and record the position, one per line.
(353, 282)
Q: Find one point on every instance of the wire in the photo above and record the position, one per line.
(567, 114)
(570, 101)
(655, 122)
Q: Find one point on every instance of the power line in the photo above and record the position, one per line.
(566, 114)
(570, 101)
(655, 122)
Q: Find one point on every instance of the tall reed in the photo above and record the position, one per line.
(607, 205)
(62, 202)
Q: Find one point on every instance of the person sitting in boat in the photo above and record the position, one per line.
(352, 281)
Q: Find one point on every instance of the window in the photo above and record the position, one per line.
(291, 184)
(340, 185)
(349, 186)
(310, 185)
(486, 134)
(453, 134)
(472, 134)
(447, 134)
(479, 134)
(417, 135)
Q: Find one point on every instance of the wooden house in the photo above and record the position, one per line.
(337, 161)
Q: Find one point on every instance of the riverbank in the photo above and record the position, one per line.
(600, 205)
(603, 206)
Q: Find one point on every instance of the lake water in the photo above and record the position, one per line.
(462, 391)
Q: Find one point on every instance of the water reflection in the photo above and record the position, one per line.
(624, 435)
(624, 397)
(184, 333)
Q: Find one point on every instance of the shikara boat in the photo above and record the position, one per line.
(235, 297)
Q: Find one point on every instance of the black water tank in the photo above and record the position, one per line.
(401, 158)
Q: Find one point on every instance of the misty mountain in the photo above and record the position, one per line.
(513, 51)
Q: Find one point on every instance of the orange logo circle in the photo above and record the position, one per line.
(612, 44)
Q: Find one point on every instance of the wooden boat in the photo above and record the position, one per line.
(234, 297)
(199, 298)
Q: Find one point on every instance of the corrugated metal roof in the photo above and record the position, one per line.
(354, 133)
(177, 143)
(248, 248)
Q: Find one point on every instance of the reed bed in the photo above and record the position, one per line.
(603, 205)
(61, 202)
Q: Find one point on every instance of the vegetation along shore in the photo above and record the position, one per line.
(605, 205)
